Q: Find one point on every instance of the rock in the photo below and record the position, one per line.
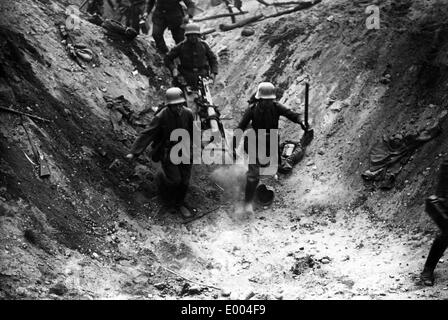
(226, 292)
(325, 260)
(338, 106)
(95, 255)
(191, 289)
(7, 94)
(249, 295)
(59, 289)
(321, 152)
(160, 285)
(247, 32)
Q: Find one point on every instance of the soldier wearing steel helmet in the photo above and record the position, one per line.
(196, 58)
(263, 113)
(175, 178)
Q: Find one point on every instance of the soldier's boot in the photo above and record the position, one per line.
(435, 253)
(183, 208)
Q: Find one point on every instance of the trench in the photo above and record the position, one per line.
(97, 229)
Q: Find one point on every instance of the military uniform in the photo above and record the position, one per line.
(95, 7)
(176, 177)
(168, 14)
(131, 11)
(196, 59)
(263, 114)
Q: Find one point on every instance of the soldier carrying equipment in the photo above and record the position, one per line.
(175, 178)
(196, 59)
(263, 113)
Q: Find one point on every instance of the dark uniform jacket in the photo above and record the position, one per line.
(265, 116)
(171, 8)
(159, 131)
(195, 59)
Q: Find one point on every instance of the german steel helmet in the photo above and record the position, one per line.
(192, 28)
(174, 96)
(266, 90)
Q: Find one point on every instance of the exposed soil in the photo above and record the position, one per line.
(96, 229)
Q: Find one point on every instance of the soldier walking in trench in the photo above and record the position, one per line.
(196, 59)
(131, 12)
(168, 14)
(173, 182)
(264, 113)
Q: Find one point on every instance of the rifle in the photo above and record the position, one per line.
(23, 114)
(44, 170)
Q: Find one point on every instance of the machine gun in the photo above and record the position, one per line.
(207, 110)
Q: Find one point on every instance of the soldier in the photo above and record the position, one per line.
(440, 208)
(95, 7)
(264, 113)
(196, 58)
(132, 11)
(174, 180)
(168, 14)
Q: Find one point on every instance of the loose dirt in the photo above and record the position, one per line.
(97, 230)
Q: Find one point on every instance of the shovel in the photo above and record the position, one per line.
(309, 133)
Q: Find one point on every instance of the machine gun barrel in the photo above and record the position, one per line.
(205, 92)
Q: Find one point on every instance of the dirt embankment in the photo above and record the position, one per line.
(92, 230)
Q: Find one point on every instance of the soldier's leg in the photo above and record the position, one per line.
(442, 185)
(253, 178)
(185, 175)
(158, 29)
(435, 253)
(178, 33)
(171, 180)
(135, 17)
(441, 241)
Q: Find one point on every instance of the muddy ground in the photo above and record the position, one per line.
(96, 228)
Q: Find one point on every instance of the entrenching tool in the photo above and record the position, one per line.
(309, 133)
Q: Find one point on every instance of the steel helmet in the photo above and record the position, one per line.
(266, 90)
(192, 28)
(174, 96)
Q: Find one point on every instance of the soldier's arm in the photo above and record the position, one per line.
(190, 7)
(149, 5)
(147, 136)
(169, 58)
(246, 119)
(212, 59)
(288, 113)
